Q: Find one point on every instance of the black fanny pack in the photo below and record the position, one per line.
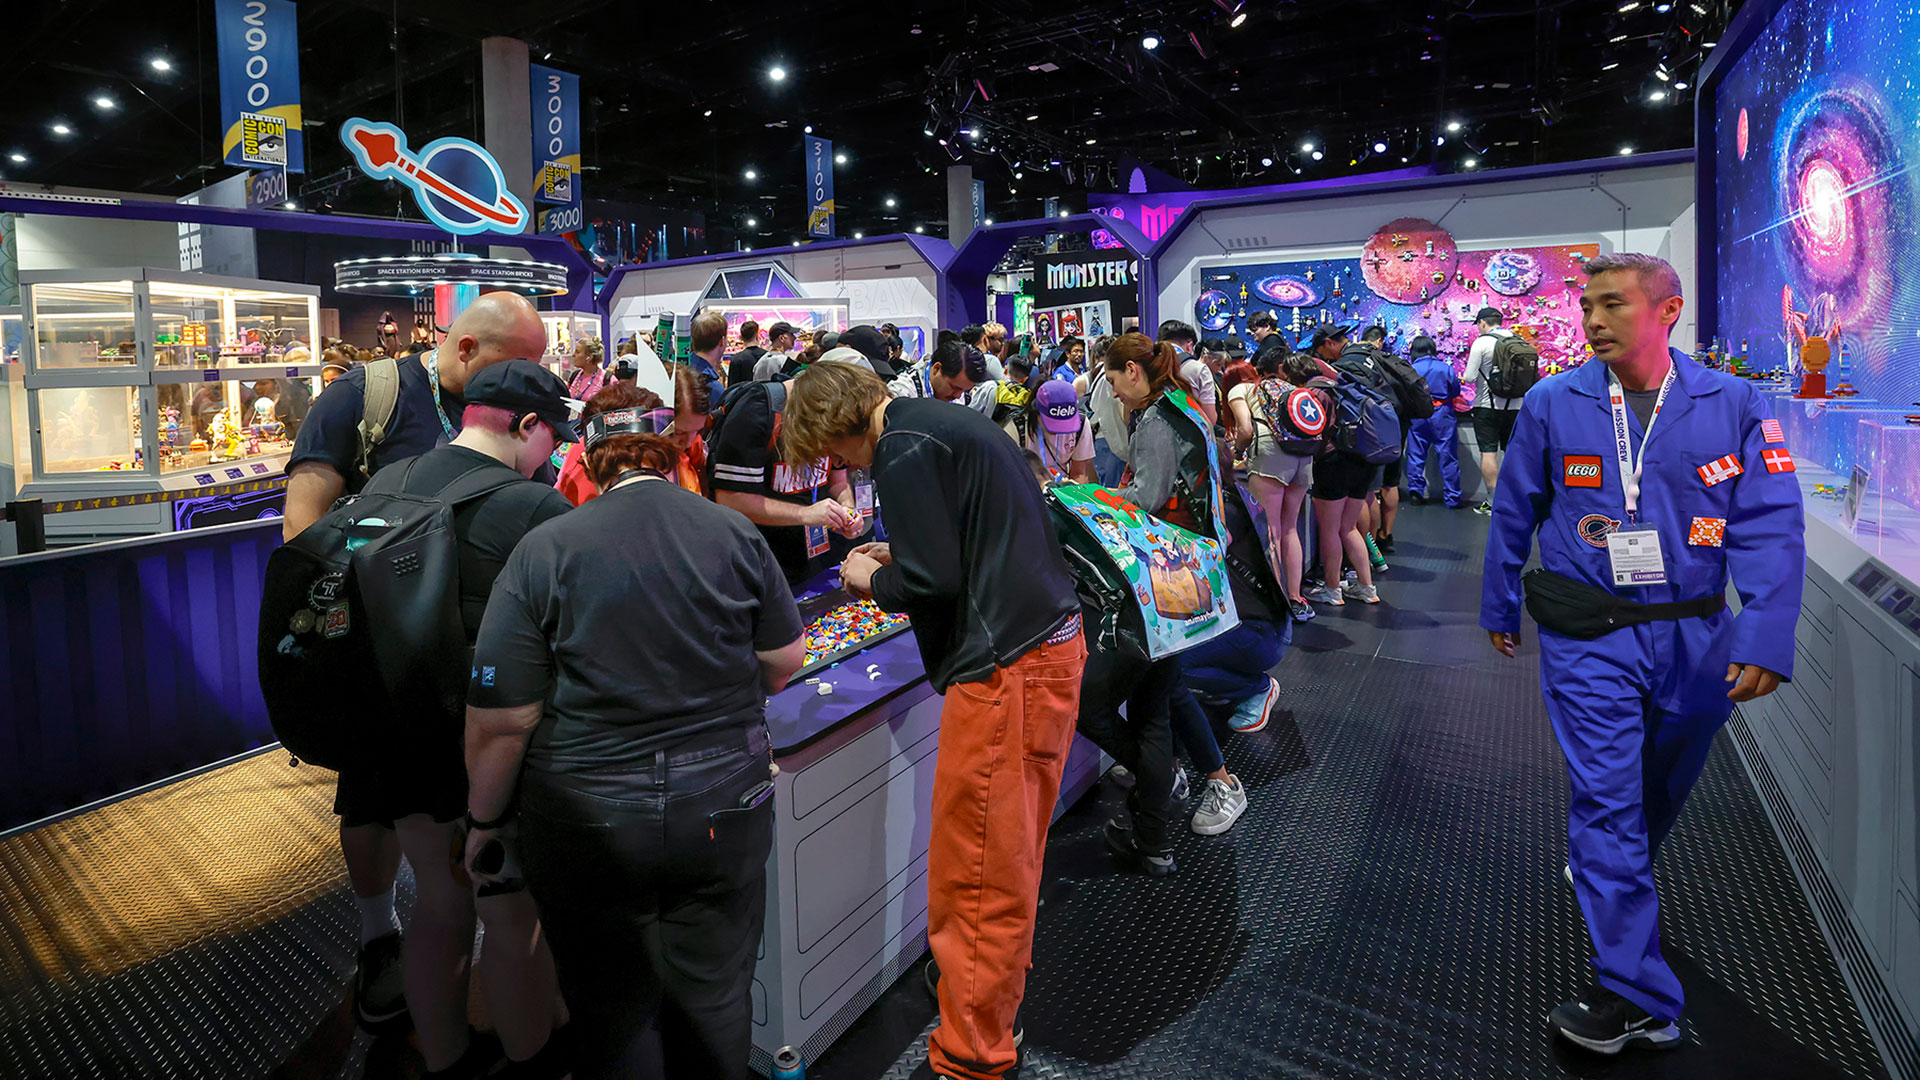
(1585, 612)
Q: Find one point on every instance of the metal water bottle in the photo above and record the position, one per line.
(787, 1065)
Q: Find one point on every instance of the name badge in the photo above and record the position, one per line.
(1633, 550)
(816, 540)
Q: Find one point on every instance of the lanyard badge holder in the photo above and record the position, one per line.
(1633, 550)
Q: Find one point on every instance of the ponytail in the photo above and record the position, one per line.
(1160, 361)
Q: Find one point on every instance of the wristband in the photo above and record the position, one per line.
(474, 824)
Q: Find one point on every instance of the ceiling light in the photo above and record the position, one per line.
(1033, 116)
(709, 112)
(839, 159)
(1662, 76)
(1238, 18)
(777, 73)
(1305, 148)
(1018, 175)
(1471, 162)
(1629, 6)
(1657, 95)
(892, 202)
(288, 205)
(1453, 125)
(1266, 163)
(1317, 155)
(1610, 67)
(988, 221)
(1066, 213)
(751, 175)
(104, 103)
(859, 235)
(1663, 8)
(919, 228)
(753, 223)
(943, 142)
(808, 130)
(1697, 9)
(1440, 140)
(1379, 148)
(1680, 86)
(1625, 150)
(973, 133)
(1089, 142)
(1708, 44)
(927, 131)
(17, 158)
(160, 63)
(1150, 41)
(61, 130)
(1617, 39)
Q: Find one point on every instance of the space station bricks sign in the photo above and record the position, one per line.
(259, 59)
(1083, 277)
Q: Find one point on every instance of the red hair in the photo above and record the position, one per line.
(618, 453)
(1237, 373)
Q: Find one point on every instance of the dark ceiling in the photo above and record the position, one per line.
(1526, 81)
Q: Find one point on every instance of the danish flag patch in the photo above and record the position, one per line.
(1708, 532)
(1780, 460)
(1725, 468)
(1770, 429)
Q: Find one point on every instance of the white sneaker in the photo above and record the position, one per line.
(1220, 807)
(1366, 594)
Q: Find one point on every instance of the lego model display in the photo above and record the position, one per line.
(563, 329)
(806, 316)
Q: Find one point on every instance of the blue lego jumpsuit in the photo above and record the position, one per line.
(1436, 431)
(1636, 710)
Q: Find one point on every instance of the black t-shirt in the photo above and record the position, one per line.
(488, 528)
(635, 618)
(742, 462)
(740, 366)
(1642, 403)
(331, 432)
(976, 564)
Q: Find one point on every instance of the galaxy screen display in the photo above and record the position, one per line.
(1816, 139)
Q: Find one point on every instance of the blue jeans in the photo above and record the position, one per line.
(1229, 669)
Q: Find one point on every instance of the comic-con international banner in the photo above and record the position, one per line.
(259, 60)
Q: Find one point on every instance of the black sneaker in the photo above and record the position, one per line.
(1120, 842)
(379, 995)
(1606, 1023)
(1385, 542)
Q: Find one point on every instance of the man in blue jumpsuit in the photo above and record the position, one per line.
(1637, 539)
(1436, 431)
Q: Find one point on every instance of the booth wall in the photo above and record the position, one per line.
(1648, 209)
(881, 282)
(49, 242)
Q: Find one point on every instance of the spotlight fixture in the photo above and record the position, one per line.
(1657, 95)
(1663, 8)
(807, 130)
(927, 131)
(17, 158)
(61, 130)
(1680, 86)
(1305, 148)
(1150, 41)
(892, 202)
(839, 159)
(1610, 66)
(776, 73)
(987, 221)
(160, 63)
(1698, 9)
(1471, 162)
(973, 133)
(753, 223)
(1033, 116)
(919, 228)
(1066, 213)
(1708, 44)
(858, 235)
(1626, 150)
(1239, 18)
(1090, 142)
(1439, 140)
(751, 174)
(1616, 39)
(1266, 162)
(1018, 175)
(1379, 148)
(1629, 6)
(709, 112)
(1453, 126)
(1317, 155)
(1662, 75)
(105, 103)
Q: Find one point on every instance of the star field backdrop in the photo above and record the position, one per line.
(1817, 135)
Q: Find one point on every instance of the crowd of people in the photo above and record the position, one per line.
(601, 803)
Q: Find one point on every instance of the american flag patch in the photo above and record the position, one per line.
(1725, 468)
(1771, 430)
(1777, 460)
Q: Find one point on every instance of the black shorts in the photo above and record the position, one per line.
(415, 778)
(1493, 428)
(1337, 476)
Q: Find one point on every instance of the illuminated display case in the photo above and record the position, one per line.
(563, 329)
(806, 316)
(152, 380)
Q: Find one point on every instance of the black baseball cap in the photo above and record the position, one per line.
(779, 328)
(871, 342)
(521, 387)
(1325, 333)
(1489, 314)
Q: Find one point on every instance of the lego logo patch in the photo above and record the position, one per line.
(1580, 470)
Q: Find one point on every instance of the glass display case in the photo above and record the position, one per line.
(563, 329)
(181, 380)
(12, 335)
(806, 316)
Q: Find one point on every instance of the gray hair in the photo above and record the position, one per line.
(1656, 275)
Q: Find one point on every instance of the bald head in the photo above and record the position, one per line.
(498, 326)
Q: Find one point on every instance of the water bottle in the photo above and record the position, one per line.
(787, 1065)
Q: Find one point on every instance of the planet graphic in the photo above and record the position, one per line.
(1403, 258)
(1289, 290)
(457, 163)
(1512, 273)
(1740, 135)
(1214, 310)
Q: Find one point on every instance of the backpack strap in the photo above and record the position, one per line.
(382, 398)
(777, 401)
(475, 483)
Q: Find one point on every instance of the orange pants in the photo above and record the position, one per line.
(1003, 743)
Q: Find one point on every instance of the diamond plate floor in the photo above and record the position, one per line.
(1389, 906)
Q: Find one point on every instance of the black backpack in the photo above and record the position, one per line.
(1514, 368)
(360, 619)
(1410, 394)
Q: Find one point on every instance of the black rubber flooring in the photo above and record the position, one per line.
(1389, 906)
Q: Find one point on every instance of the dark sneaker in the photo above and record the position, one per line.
(1300, 610)
(1121, 843)
(1386, 543)
(379, 996)
(1606, 1023)
(1483, 509)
